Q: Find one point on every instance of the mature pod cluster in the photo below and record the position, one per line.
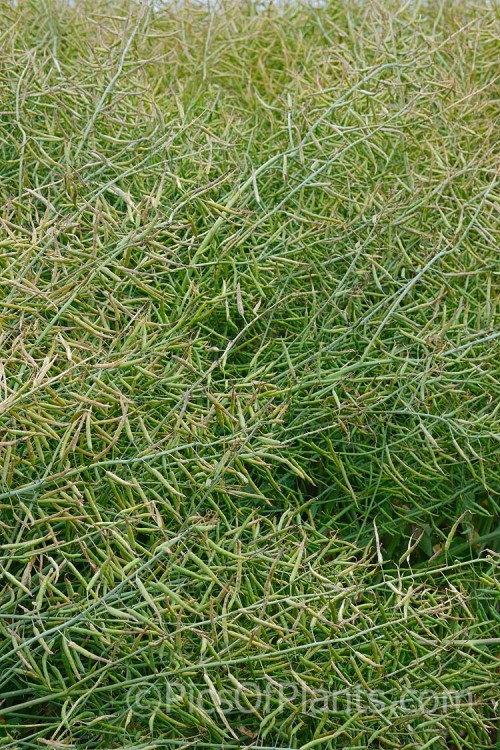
(248, 375)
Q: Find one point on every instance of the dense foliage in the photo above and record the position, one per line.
(249, 374)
